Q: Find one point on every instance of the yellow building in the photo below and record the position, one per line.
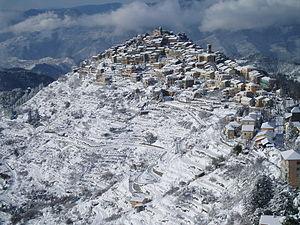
(139, 200)
(247, 132)
(245, 71)
(208, 75)
(230, 132)
(207, 57)
(252, 87)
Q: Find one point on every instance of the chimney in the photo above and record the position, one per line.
(209, 48)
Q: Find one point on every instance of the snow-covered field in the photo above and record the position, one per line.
(80, 152)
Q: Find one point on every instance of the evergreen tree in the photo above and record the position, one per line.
(291, 135)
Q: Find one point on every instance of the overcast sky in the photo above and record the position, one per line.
(208, 15)
(29, 4)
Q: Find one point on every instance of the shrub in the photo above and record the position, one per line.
(291, 221)
(237, 149)
(217, 162)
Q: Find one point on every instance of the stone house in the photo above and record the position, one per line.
(229, 132)
(207, 57)
(248, 120)
(259, 101)
(247, 132)
(252, 87)
(188, 81)
(291, 167)
(270, 220)
(245, 71)
(295, 114)
(247, 101)
(267, 127)
(232, 130)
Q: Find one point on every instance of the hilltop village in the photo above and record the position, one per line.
(156, 130)
(177, 68)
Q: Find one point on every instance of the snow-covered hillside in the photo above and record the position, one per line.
(81, 152)
(90, 155)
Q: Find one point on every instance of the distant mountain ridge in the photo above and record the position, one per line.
(17, 86)
(20, 78)
(77, 10)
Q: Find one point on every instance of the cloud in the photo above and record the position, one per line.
(249, 14)
(7, 17)
(208, 15)
(33, 4)
(41, 22)
(136, 16)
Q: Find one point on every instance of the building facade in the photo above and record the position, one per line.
(291, 167)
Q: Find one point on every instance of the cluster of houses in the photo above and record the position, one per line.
(170, 59)
(264, 134)
(252, 127)
(173, 63)
(177, 64)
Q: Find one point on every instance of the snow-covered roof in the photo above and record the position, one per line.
(253, 115)
(251, 84)
(254, 72)
(246, 99)
(266, 99)
(266, 125)
(248, 128)
(188, 77)
(290, 155)
(234, 124)
(268, 79)
(248, 67)
(287, 115)
(264, 133)
(229, 127)
(138, 197)
(296, 110)
(235, 81)
(296, 124)
(265, 141)
(257, 139)
(270, 220)
(260, 97)
(248, 118)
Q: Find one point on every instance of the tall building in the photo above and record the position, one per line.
(295, 114)
(291, 167)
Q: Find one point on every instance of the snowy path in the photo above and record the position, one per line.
(186, 110)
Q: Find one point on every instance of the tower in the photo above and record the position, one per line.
(209, 48)
(160, 30)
